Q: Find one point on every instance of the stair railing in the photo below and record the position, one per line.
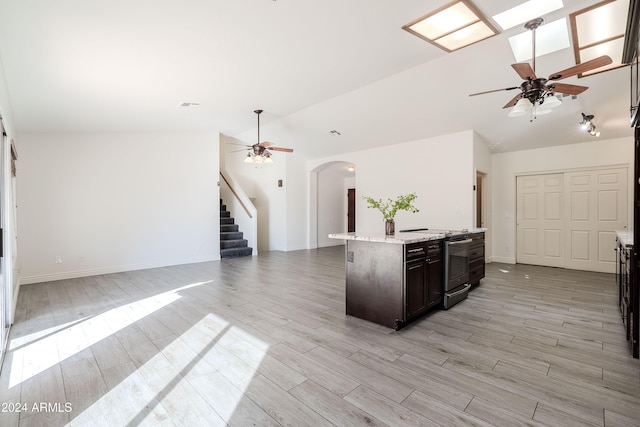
(241, 208)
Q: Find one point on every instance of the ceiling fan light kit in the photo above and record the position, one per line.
(522, 107)
(260, 152)
(538, 94)
(552, 102)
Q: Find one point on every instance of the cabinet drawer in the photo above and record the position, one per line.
(477, 237)
(434, 249)
(476, 253)
(415, 250)
(476, 275)
(476, 264)
(476, 271)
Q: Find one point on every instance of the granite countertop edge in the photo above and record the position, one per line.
(625, 236)
(401, 238)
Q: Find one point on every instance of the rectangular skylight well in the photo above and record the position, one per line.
(550, 37)
(525, 12)
(459, 39)
(599, 30)
(443, 22)
(453, 26)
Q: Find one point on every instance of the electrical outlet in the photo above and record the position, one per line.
(58, 259)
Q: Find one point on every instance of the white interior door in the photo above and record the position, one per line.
(596, 206)
(569, 219)
(539, 218)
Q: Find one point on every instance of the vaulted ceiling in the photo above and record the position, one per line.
(312, 66)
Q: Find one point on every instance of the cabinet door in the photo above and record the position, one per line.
(434, 281)
(416, 288)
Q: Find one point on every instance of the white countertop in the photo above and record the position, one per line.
(399, 237)
(625, 236)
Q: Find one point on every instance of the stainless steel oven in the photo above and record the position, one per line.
(456, 268)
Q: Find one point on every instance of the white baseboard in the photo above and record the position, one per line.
(503, 260)
(331, 243)
(65, 275)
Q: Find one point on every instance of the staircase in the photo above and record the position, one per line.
(232, 243)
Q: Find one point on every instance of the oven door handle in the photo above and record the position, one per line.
(461, 291)
(460, 242)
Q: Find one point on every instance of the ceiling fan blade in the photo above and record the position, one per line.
(265, 144)
(569, 89)
(524, 70)
(583, 67)
(286, 150)
(513, 101)
(495, 90)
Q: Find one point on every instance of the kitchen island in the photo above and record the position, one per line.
(393, 280)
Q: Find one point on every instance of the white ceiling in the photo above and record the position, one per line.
(313, 66)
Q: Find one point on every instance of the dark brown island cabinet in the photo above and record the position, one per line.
(476, 258)
(394, 280)
(422, 278)
(392, 284)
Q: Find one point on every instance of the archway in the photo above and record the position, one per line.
(328, 210)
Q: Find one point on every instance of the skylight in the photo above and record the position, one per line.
(525, 12)
(453, 26)
(550, 38)
(599, 30)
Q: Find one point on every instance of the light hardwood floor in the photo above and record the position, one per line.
(265, 341)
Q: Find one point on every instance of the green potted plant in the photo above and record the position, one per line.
(391, 207)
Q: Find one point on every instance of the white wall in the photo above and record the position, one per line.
(5, 104)
(296, 182)
(439, 170)
(332, 202)
(482, 163)
(260, 183)
(506, 166)
(116, 202)
(10, 273)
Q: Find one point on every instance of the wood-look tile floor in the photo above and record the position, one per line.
(264, 341)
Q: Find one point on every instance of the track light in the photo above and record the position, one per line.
(587, 125)
(586, 121)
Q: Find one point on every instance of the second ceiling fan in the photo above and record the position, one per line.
(534, 90)
(260, 151)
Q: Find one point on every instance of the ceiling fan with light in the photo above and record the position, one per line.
(537, 94)
(260, 152)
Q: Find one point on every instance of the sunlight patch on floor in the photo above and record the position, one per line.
(41, 354)
(26, 339)
(198, 379)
